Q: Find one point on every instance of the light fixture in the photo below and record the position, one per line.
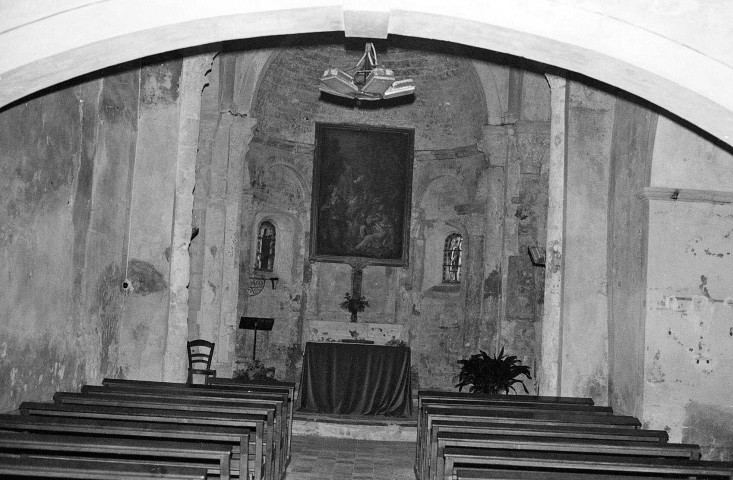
(370, 81)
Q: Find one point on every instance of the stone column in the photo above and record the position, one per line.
(193, 80)
(549, 372)
(474, 284)
(494, 144)
(214, 228)
(241, 133)
(510, 240)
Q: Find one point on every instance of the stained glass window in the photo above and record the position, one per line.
(452, 258)
(265, 247)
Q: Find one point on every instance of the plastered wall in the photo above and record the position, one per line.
(689, 341)
(75, 163)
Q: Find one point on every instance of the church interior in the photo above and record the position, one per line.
(158, 184)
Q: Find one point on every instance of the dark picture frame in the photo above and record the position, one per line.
(362, 194)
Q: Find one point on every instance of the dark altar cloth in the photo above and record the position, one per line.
(345, 378)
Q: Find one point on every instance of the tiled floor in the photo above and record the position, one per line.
(324, 458)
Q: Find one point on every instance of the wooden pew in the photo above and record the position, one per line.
(13, 466)
(487, 459)
(280, 398)
(558, 444)
(279, 386)
(267, 411)
(438, 397)
(215, 458)
(231, 437)
(571, 432)
(424, 396)
(483, 397)
(219, 384)
(543, 414)
(277, 399)
(261, 464)
(501, 474)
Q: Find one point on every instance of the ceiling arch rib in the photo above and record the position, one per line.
(613, 43)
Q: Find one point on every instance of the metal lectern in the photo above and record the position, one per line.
(256, 323)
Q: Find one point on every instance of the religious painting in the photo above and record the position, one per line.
(362, 180)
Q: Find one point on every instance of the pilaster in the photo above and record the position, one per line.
(549, 374)
(193, 80)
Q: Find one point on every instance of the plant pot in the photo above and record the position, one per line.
(353, 317)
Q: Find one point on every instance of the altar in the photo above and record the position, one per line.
(353, 378)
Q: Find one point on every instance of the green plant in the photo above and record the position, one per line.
(255, 371)
(491, 375)
(354, 304)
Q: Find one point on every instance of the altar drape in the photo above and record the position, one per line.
(345, 378)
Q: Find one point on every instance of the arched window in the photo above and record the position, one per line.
(265, 247)
(452, 258)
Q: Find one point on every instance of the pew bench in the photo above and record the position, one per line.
(468, 473)
(428, 394)
(629, 466)
(261, 465)
(276, 400)
(13, 466)
(454, 398)
(220, 385)
(230, 437)
(215, 458)
(571, 432)
(557, 444)
(527, 416)
(279, 386)
(267, 411)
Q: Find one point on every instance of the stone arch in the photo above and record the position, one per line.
(438, 222)
(283, 215)
(287, 230)
(494, 80)
(582, 38)
(246, 82)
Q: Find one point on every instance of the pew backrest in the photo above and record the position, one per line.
(556, 445)
(272, 441)
(280, 399)
(571, 432)
(574, 462)
(40, 467)
(148, 451)
(262, 461)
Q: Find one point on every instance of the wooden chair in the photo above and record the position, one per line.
(200, 353)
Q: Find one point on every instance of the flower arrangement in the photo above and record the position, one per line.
(354, 304)
(255, 371)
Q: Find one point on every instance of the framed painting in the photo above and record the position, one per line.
(362, 181)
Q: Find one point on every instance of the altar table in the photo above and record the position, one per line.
(347, 378)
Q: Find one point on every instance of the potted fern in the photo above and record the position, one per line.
(492, 375)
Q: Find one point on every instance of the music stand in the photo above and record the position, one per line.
(256, 323)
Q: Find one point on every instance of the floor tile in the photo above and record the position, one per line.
(346, 459)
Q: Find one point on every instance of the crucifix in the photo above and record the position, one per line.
(357, 275)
